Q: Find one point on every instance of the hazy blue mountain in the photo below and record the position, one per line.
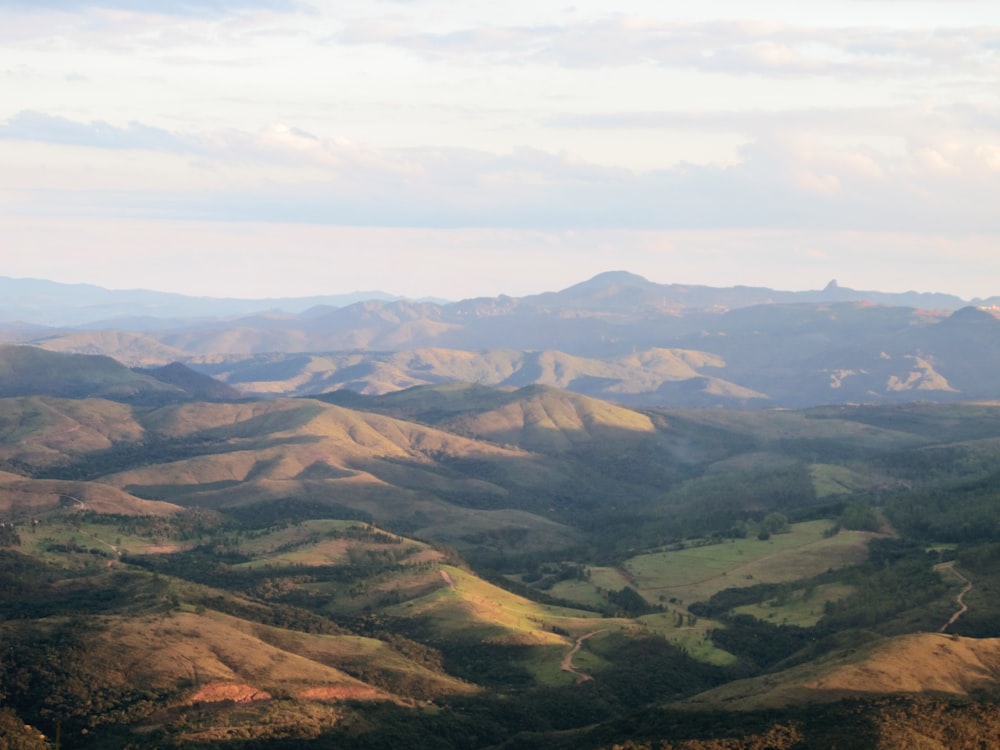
(54, 304)
(49, 303)
(616, 336)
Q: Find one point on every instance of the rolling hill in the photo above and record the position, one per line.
(462, 566)
(34, 371)
(919, 664)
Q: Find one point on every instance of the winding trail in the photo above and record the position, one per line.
(80, 505)
(567, 662)
(960, 599)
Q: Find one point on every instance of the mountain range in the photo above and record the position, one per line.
(39, 302)
(617, 336)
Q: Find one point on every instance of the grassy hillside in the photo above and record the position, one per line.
(915, 664)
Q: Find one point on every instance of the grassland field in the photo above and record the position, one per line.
(802, 608)
(675, 578)
(697, 572)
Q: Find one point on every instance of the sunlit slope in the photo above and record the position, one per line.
(539, 418)
(547, 419)
(190, 652)
(465, 609)
(132, 349)
(50, 431)
(297, 440)
(623, 377)
(468, 608)
(236, 454)
(28, 498)
(916, 664)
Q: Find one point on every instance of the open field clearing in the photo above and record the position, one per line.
(802, 608)
(329, 542)
(689, 633)
(696, 573)
(49, 540)
(830, 479)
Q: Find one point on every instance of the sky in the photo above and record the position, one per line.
(265, 148)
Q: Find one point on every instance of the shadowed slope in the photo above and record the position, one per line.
(30, 371)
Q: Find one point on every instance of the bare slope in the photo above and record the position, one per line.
(393, 470)
(132, 349)
(50, 431)
(916, 664)
(198, 654)
(622, 378)
(22, 498)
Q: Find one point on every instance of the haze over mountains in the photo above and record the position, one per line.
(617, 336)
(48, 303)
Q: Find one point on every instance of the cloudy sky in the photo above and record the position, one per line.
(454, 149)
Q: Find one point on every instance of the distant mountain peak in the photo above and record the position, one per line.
(616, 277)
(972, 314)
(832, 286)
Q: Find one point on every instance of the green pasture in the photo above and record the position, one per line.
(698, 572)
(106, 539)
(689, 633)
(830, 480)
(592, 591)
(803, 607)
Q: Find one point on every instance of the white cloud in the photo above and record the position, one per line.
(283, 174)
(524, 120)
(156, 7)
(730, 47)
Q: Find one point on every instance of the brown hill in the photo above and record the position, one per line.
(387, 468)
(22, 498)
(131, 349)
(210, 657)
(50, 431)
(915, 664)
(626, 378)
(547, 419)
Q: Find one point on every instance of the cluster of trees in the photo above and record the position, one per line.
(968, 511)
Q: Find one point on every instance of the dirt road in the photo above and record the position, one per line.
(960, 599)
(567, 662)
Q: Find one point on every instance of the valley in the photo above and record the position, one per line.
(515, 549)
